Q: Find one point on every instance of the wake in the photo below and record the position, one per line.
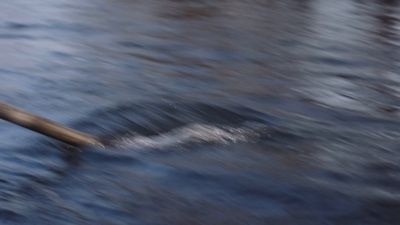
(194, 134)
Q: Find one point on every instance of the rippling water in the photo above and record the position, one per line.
(216, 112)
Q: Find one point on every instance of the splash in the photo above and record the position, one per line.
(194, 133)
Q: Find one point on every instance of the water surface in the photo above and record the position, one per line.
(217, 112)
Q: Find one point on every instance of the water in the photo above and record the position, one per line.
(216, 112)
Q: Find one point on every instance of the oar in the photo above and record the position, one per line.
(41, 125)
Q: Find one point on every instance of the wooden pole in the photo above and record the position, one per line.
(41, 125)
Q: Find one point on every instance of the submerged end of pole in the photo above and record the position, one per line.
(95, 142)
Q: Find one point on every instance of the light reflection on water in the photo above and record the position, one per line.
(239, 112)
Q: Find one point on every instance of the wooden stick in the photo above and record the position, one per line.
(41, 125)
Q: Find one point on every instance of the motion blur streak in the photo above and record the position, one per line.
(215, 111)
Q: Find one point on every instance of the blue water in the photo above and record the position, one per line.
(215, 112)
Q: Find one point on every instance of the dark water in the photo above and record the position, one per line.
(217, 112)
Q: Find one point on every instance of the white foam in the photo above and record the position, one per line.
(194, 133)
